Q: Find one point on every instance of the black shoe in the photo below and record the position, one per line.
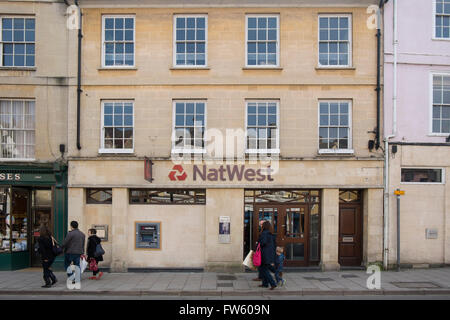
(47, 285)
(54, 280)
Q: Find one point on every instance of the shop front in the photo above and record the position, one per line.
(30, 196)
(162, 215)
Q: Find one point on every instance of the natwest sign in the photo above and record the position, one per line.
(222, 173)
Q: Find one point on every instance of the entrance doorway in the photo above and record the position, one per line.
(350, 228)
(290, 226)
(295, 219)
(41, 214)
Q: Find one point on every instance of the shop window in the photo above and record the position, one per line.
(5, 220)
(169, 196)
(13, 219)
(99, 196)
(422, 175)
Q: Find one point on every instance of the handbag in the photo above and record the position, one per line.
(257, 256)
(248, 261)
(99, 251)
(56, 249)
(93, 264)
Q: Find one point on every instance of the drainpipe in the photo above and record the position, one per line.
(80, 36)
(386, 142)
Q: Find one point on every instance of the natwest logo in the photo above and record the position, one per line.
(232, 173)
(177, 173)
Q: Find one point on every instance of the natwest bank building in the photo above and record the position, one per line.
(163, 214)
(298, 79)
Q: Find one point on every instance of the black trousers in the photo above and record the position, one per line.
(48, 273)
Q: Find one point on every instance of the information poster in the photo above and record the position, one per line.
(224, 229)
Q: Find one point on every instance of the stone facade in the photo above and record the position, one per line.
(189, 237)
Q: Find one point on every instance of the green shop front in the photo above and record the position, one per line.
(30, 196)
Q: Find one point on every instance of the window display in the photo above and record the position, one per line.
(19, 214)
(5, 220)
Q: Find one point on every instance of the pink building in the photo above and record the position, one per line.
(417, 130)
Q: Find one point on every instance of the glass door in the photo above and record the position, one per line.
(41, 214)
(293, 235)
(264, 212)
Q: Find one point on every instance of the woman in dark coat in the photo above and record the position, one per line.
(93, 241)
(268, 253)
(47, 256)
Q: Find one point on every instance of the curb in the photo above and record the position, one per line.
(178, 293)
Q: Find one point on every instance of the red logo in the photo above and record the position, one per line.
(177, 173)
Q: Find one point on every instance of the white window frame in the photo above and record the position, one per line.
(264, 151)
(1, 42)
(350, 41)
(425, 183)
(430, 103)
(433, 36)
(174, 43)
(102, 148)
(183, 150)
(23, 159)
(277, 65)
(104, 66)
(350, 149)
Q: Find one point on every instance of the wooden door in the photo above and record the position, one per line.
(293, 234)
(350, 235)
(290, 225)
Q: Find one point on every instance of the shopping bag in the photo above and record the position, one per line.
(248, 261)
(257, 256)
(83, 263)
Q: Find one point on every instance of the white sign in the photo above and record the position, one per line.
(224, 229)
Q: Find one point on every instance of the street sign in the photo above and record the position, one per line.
(399, 192)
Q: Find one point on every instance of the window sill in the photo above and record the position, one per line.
(441, 39)
(423, 183)
(264, 151)
(126, 152)
(19, 68)
(190, 68)
(262, 68)
(346, 152)
(16, 160)
(187, 151)
(116, 68)
(443, 135)
(334, 68)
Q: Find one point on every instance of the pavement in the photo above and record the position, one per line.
(417, 282)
